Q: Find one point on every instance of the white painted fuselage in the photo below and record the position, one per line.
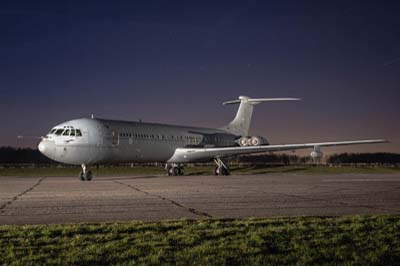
(111, 141)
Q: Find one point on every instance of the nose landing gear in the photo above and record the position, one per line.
(86, 174)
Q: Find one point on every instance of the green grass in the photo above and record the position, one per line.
(74, 171)
(191, 170)
(356, 240)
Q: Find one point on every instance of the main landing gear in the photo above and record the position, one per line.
(86, 174)
(174, 169)
(221, 168)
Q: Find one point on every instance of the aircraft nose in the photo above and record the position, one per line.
(47, 148)
(42, 147)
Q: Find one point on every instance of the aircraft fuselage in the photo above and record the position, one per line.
(101, 141)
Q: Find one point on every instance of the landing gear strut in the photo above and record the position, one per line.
(174, 169)
(86, 174)
(221, 168)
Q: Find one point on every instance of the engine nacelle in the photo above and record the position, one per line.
(243, 141)
(316, 155)
(252, 141)
(257, 141)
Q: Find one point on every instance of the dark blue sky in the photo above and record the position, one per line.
(175, 62)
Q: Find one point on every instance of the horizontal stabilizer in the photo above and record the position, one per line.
(258, 100)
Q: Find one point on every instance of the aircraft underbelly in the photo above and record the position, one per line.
(143, 151)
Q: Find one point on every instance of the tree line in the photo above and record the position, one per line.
(10, 155)
(379, 157)
(342, 158)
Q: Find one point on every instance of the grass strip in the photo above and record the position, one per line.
(349, 240)
(192, 170)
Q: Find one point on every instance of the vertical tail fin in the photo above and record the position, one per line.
(241, 123)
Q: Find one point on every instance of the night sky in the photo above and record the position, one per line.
(176, 62)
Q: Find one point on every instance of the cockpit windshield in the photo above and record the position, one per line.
(59, 131)
(66, 131)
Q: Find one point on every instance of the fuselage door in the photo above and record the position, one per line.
(115, 138)
(99, 140)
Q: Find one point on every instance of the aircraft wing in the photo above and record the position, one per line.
(183, 155)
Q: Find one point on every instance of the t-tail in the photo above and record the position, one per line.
(241, 123)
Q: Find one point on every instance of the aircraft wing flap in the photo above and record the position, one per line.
(183, 155)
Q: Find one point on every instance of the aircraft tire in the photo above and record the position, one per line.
(175, 171)
(168, 168)
(82, 176)
(216, 170)
(181, 170)
(225, 171)
(222, 171)
(88, 175)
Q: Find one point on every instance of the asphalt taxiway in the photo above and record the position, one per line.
(43, 200)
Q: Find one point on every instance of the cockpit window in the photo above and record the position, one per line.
(66, 131)
(59, 131)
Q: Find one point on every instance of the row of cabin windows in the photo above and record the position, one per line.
(191, 139)
(66, 132)
(159, 136)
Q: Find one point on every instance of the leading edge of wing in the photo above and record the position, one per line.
(183, 155)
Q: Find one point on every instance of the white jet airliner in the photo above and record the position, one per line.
(93, 141)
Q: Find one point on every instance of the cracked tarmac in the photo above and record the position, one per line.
(39, 200)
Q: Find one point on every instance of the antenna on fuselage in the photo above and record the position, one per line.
(92, 116)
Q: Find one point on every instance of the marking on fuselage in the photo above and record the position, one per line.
(191, 210)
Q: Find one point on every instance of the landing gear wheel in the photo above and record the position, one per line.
(181, 171)
(224, 171)
(88, 175)
(215, 170)
(168, 168)
(85, 175)
(175, 170)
